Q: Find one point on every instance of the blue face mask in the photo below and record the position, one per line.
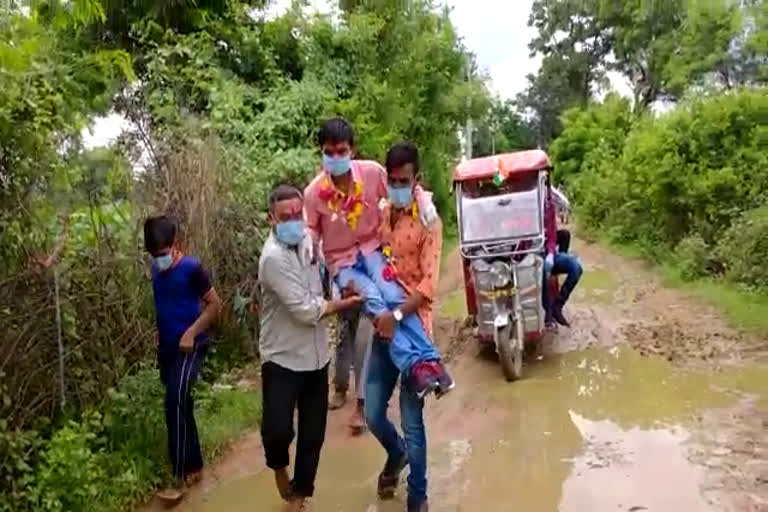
(337, 165)
(290, 232)
(163, 263)
(401, 197)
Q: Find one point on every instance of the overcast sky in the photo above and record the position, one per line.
(496, 31)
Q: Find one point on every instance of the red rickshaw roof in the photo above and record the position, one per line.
(505, 163)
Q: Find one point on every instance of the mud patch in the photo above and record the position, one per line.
(598, 284)
(677, 344)
(730, 443)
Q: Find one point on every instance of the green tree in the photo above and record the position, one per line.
(573, 35)
(47, 93)
(503, 130)
(660, 46)
(555, 88)
(598, 130)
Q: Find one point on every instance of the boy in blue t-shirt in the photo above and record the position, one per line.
(186, 305)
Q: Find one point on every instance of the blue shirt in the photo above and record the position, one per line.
(178, 292)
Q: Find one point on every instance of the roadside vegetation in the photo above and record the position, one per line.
(221, 102)
(687, 189)
(680, 174)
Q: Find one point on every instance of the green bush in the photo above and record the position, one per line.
(744, 249)
(693, 256)
(600, 129)
(678, 181)
(113, 460)
(19, 451)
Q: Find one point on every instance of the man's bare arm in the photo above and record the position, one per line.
(210, 314)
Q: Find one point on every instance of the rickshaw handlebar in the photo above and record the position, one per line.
(537, 247)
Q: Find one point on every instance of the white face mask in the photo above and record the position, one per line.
(163, 263)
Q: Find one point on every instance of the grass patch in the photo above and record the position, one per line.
(225, 417)
(454, 305)
(743, 309)
(596, 280)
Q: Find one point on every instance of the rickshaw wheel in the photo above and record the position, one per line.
(510, 355)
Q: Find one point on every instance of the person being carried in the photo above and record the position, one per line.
(414, 259)
(293, 347)
(186, 306)
(557, 262)
(342, 211)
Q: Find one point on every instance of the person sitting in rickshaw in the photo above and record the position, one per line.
(557, 262)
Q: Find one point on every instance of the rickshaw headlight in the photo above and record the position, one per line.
(484, 279)
(502, 273)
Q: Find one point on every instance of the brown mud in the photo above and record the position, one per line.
(649, 402)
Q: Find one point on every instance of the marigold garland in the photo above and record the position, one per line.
(339, 202)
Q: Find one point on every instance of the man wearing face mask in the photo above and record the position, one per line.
(294, 347)
(186, 306)
(342, 212)
(414, 251)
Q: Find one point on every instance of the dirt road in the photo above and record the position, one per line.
(648, 403)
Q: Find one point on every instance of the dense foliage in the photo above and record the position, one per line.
(663, 49)
(222, 103)
(111, 457)
(692, 182)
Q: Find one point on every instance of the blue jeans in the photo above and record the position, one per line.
(410, 343)
(382, 378)
(564, 264)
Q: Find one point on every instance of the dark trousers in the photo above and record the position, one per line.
(284, 391)
(178, 373)
(563, 240)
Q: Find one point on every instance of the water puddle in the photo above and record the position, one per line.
(631, 470)
(593, 430)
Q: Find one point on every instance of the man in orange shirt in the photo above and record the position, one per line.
(414, 255)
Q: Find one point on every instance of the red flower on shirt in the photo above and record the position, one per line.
(389, 273)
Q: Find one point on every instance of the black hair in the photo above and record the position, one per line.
(283, 192)
(159, 232)
(401, 154)
(336, 129)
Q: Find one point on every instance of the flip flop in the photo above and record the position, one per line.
(170, 496)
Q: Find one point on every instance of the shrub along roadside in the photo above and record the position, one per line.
(114, 458)
(686, 188)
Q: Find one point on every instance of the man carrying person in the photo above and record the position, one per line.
(342, 212)
(557, 262)
(294, 347)
(414, 255)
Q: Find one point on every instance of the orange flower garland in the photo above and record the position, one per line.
(338, 202)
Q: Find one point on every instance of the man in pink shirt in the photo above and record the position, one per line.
(342, 212)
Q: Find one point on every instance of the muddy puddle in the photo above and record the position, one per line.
(598, 430)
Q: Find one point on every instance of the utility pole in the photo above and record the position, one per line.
(468, 127)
